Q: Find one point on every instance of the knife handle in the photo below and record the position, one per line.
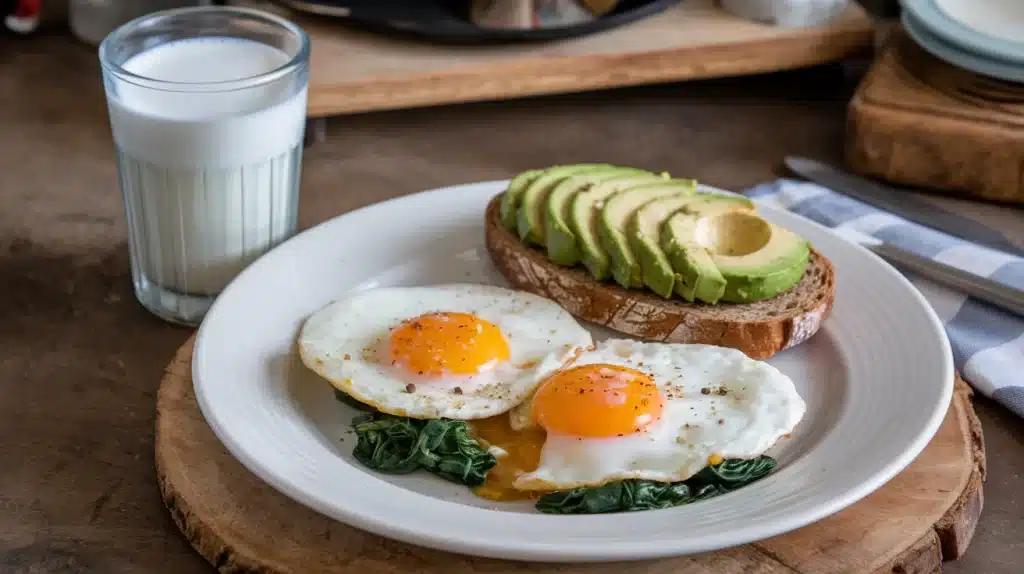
(992, 292)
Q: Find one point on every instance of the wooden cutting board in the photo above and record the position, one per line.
(918, 121)
(923, 516)
(356, 71)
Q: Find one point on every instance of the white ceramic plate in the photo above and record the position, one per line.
(987, 29)
(953, 54)
(877, 380)
(999, 20)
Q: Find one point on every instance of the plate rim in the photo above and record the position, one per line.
(923, 36)
(935, 19)
(582, 551)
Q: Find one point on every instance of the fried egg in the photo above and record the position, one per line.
(457, 351)
(634, 410)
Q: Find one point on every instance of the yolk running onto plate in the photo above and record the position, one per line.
(591, 401)
(447, 343)
(523, 450)
(597, 401)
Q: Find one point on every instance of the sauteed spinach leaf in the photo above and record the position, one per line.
(400, 445)
(631, 495)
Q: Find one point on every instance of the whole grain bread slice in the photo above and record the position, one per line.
(759, 329)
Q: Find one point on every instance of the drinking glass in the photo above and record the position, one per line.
(207, 108)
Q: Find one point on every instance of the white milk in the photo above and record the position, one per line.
(210, 179)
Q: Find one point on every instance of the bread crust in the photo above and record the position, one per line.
(789, 319)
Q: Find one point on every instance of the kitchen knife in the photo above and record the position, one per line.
(900, 203)
(981, 288)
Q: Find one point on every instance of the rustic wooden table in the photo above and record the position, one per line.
(81, 360)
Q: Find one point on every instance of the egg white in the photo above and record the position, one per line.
(759, 405)
(344, 343)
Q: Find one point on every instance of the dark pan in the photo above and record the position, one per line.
(446, 21)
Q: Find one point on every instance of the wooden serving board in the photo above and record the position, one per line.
(356, 71)
(919, 121)
(923, 516)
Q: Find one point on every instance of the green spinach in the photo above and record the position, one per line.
(400, 445)
(632, 495)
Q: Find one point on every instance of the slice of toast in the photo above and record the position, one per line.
(759, 329)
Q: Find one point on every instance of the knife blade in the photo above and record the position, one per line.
(981, 288)
(900, 203)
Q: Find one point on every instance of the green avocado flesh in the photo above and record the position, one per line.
(585, 211)
(616, 214)
(646, 230)
(721, 250)
(510, 199)
(530, 216)
(771, 270)
(696, 276)
(562, 244)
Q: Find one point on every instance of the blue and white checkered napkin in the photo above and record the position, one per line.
(988, 344)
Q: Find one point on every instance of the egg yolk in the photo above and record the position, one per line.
(522, 449)
(597, 401)
(447, 343)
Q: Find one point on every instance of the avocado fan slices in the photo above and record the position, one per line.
(647, 230)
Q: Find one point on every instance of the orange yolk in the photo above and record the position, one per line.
(591, 401)
(597, 401)
(446, 343)
(523, 450)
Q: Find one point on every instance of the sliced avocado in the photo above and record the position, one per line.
(616, 214)
(585, 210)
(530, 216)
(644, 231)
(747, 289)
(696, 276)
(558, 234)
(512, 196)
(758, 259)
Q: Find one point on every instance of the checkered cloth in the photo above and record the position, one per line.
(988, 344)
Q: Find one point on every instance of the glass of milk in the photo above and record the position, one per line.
(207, 107)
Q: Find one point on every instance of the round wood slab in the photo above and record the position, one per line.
(925, 515)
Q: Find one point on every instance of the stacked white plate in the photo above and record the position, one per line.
(983, 36)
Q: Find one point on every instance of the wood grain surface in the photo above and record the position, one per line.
(919, 121)
(356, 71)
(82, 361)
(923, 516)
